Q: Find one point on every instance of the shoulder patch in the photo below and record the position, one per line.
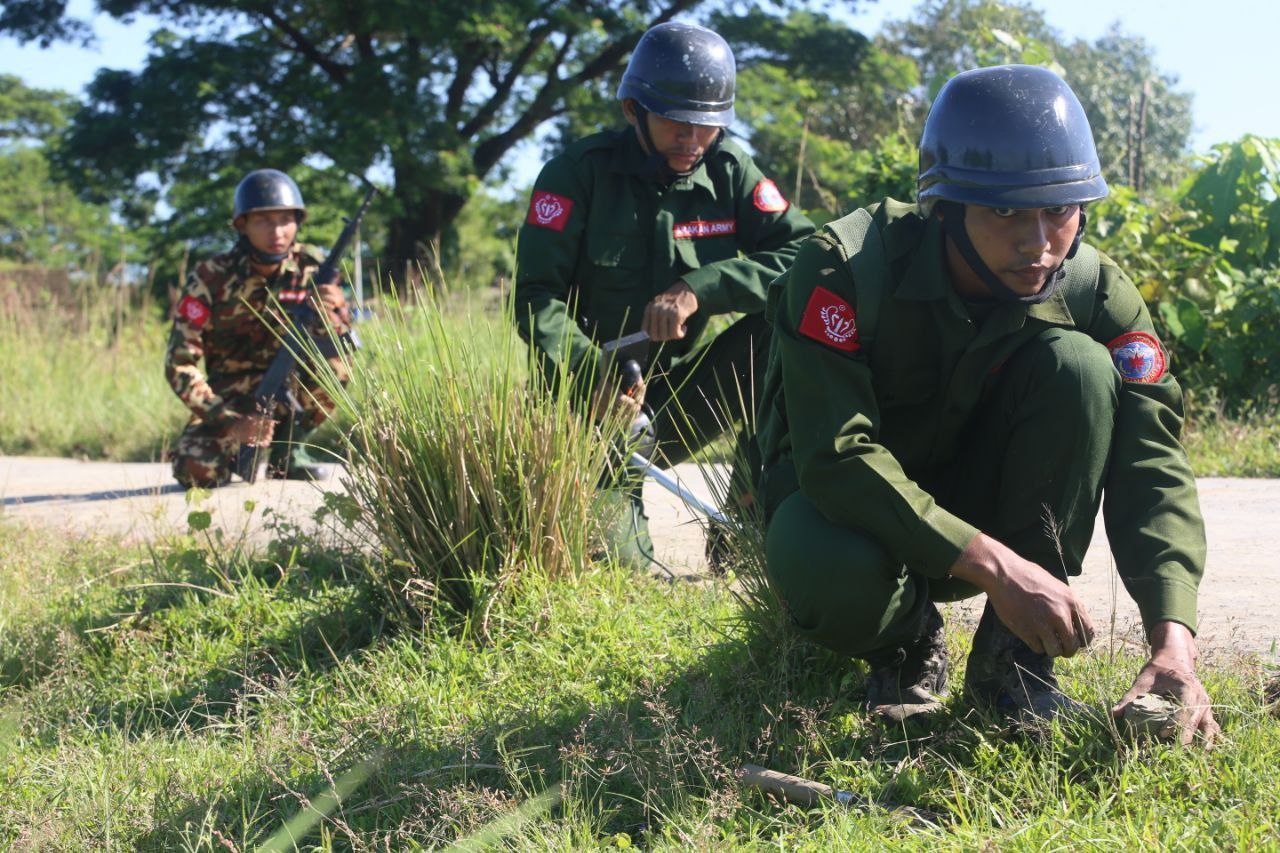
(830, 320)
(549, 210)
(768, 198)
(194, 311)
(1139, 357)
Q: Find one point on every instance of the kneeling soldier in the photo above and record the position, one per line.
(225, 317)
(953, 387)
(659, 227)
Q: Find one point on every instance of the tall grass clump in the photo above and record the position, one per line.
(464, 467)
(83, 382)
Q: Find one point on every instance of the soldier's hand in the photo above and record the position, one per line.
(333, 300)
(253, 430)
(665, 316)
(1039, 608)
(1171, 672)
(608, 400)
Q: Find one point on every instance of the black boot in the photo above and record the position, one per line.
(1004, 675)
(909, 681)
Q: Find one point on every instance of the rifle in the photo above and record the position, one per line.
(300, 318)
(623, 356)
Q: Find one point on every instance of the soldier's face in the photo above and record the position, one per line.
(271, 231)
(1021, 246)
(682, 144)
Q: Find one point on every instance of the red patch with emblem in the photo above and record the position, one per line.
(1139, 357)
(195, 311)
(830, 320)
(768, 198)
(549, 210)
(704, 228)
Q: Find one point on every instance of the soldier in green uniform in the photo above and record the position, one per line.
(954, 387)
(658, 226)
(224, 317)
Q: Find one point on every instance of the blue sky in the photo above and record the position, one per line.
(1223, 52)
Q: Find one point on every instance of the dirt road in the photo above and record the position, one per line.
(134, 501)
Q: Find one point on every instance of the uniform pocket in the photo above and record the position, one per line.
(614, 251)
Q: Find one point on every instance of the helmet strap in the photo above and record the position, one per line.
(260, 256)
(953, 224)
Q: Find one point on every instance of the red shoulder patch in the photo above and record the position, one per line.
(768, 198)
(549, 210)
(830, 320)
(1139, 357)
(194, 310)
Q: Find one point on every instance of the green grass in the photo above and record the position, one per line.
(70, 391)
(166, 700)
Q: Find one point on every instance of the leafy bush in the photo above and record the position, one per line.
(1207, 259)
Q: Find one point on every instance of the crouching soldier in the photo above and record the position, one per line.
(225, 317)
(956, 386)
(659, 226)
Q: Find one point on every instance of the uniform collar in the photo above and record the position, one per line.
(927, 279)
(288, 266)
(629, 158)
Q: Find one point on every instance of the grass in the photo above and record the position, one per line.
(605, 709)
(69, 391)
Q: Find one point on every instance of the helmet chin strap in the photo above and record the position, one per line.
(260, 256)
(953, 225)
(656, 168)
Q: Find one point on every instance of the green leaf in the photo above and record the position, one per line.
(199, 520)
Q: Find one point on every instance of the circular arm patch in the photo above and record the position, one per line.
(1139, 357)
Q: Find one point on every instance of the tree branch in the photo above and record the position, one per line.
(543, 106)
(336, 71)
(502, 88)
(461, 82)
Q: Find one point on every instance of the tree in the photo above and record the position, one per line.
(431, 95)
(41, 220)
(1109, 76)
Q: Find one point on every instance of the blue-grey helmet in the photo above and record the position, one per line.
(268, 189)
(1008, 136)
(682, 72)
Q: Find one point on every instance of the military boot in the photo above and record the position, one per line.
(909, 681)
(291, 461)
(1004, 675)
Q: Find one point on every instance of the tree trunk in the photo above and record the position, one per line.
(413, 239)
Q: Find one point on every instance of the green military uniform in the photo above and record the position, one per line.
(601, 241)
(898, 421)
(225, 317)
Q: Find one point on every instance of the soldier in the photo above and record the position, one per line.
(954, 386)
(658, 226)
(225, 317)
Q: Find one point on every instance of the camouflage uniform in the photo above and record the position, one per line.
(226, 317)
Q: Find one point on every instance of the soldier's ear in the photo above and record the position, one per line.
(629, 112)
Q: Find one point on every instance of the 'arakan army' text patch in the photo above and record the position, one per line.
(830, 320)
(704, 228)
(549, 210)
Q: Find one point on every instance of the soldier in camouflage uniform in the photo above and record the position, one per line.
(225, 316)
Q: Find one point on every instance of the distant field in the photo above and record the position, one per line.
(68, 392)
